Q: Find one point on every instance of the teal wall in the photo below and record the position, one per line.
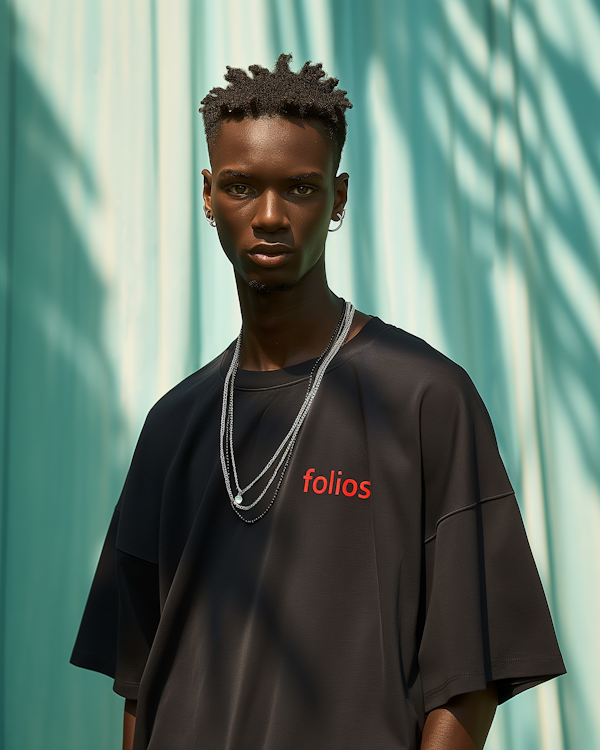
(474, 155)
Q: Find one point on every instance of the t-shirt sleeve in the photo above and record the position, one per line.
(486, 615)
(120, 618)
(123, 607)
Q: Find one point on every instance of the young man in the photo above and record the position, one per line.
(332, 557)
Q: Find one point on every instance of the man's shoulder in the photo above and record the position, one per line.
(399, 356)
(200, 390)
(408, 371)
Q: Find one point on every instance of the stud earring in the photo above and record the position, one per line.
(210, 218)
(340, 221)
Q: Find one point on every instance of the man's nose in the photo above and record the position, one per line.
(271, 213)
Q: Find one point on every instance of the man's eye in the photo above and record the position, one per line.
(239, 189)
(303, 190)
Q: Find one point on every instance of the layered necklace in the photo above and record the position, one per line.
(281, 458)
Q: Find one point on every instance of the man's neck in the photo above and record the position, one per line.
(283, 328)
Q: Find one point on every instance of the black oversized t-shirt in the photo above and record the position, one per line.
(391, 573)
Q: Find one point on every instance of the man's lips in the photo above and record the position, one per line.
(270, 255)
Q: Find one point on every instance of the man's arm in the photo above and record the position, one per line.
(463, 723)
(129, 723)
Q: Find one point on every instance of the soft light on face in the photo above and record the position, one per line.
(273, 192)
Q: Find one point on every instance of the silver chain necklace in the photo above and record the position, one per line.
(282, 455)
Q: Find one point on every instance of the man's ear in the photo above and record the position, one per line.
(341, 195)
(206, 192)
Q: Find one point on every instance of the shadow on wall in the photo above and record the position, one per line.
(62, 423)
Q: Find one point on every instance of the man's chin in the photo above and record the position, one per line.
(261, 288)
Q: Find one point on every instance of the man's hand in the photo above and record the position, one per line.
(463, 723)
(129, 723)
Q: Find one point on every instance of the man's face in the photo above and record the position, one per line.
(273, 192)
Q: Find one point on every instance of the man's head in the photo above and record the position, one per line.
(307, 95)
(274, 144)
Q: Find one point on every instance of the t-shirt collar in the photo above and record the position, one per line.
(260, 379)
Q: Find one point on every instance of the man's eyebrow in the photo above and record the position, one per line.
(235, 175)
(307, 176)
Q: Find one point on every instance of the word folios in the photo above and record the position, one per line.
(334, 485)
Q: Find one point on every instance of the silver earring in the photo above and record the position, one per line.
(340, 221)
(209, 218)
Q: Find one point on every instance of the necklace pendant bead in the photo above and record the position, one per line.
(237, 499)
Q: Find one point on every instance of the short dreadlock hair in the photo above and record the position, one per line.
(308, 94)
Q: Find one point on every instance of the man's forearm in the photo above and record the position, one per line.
(463, 723)
(129, 724)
